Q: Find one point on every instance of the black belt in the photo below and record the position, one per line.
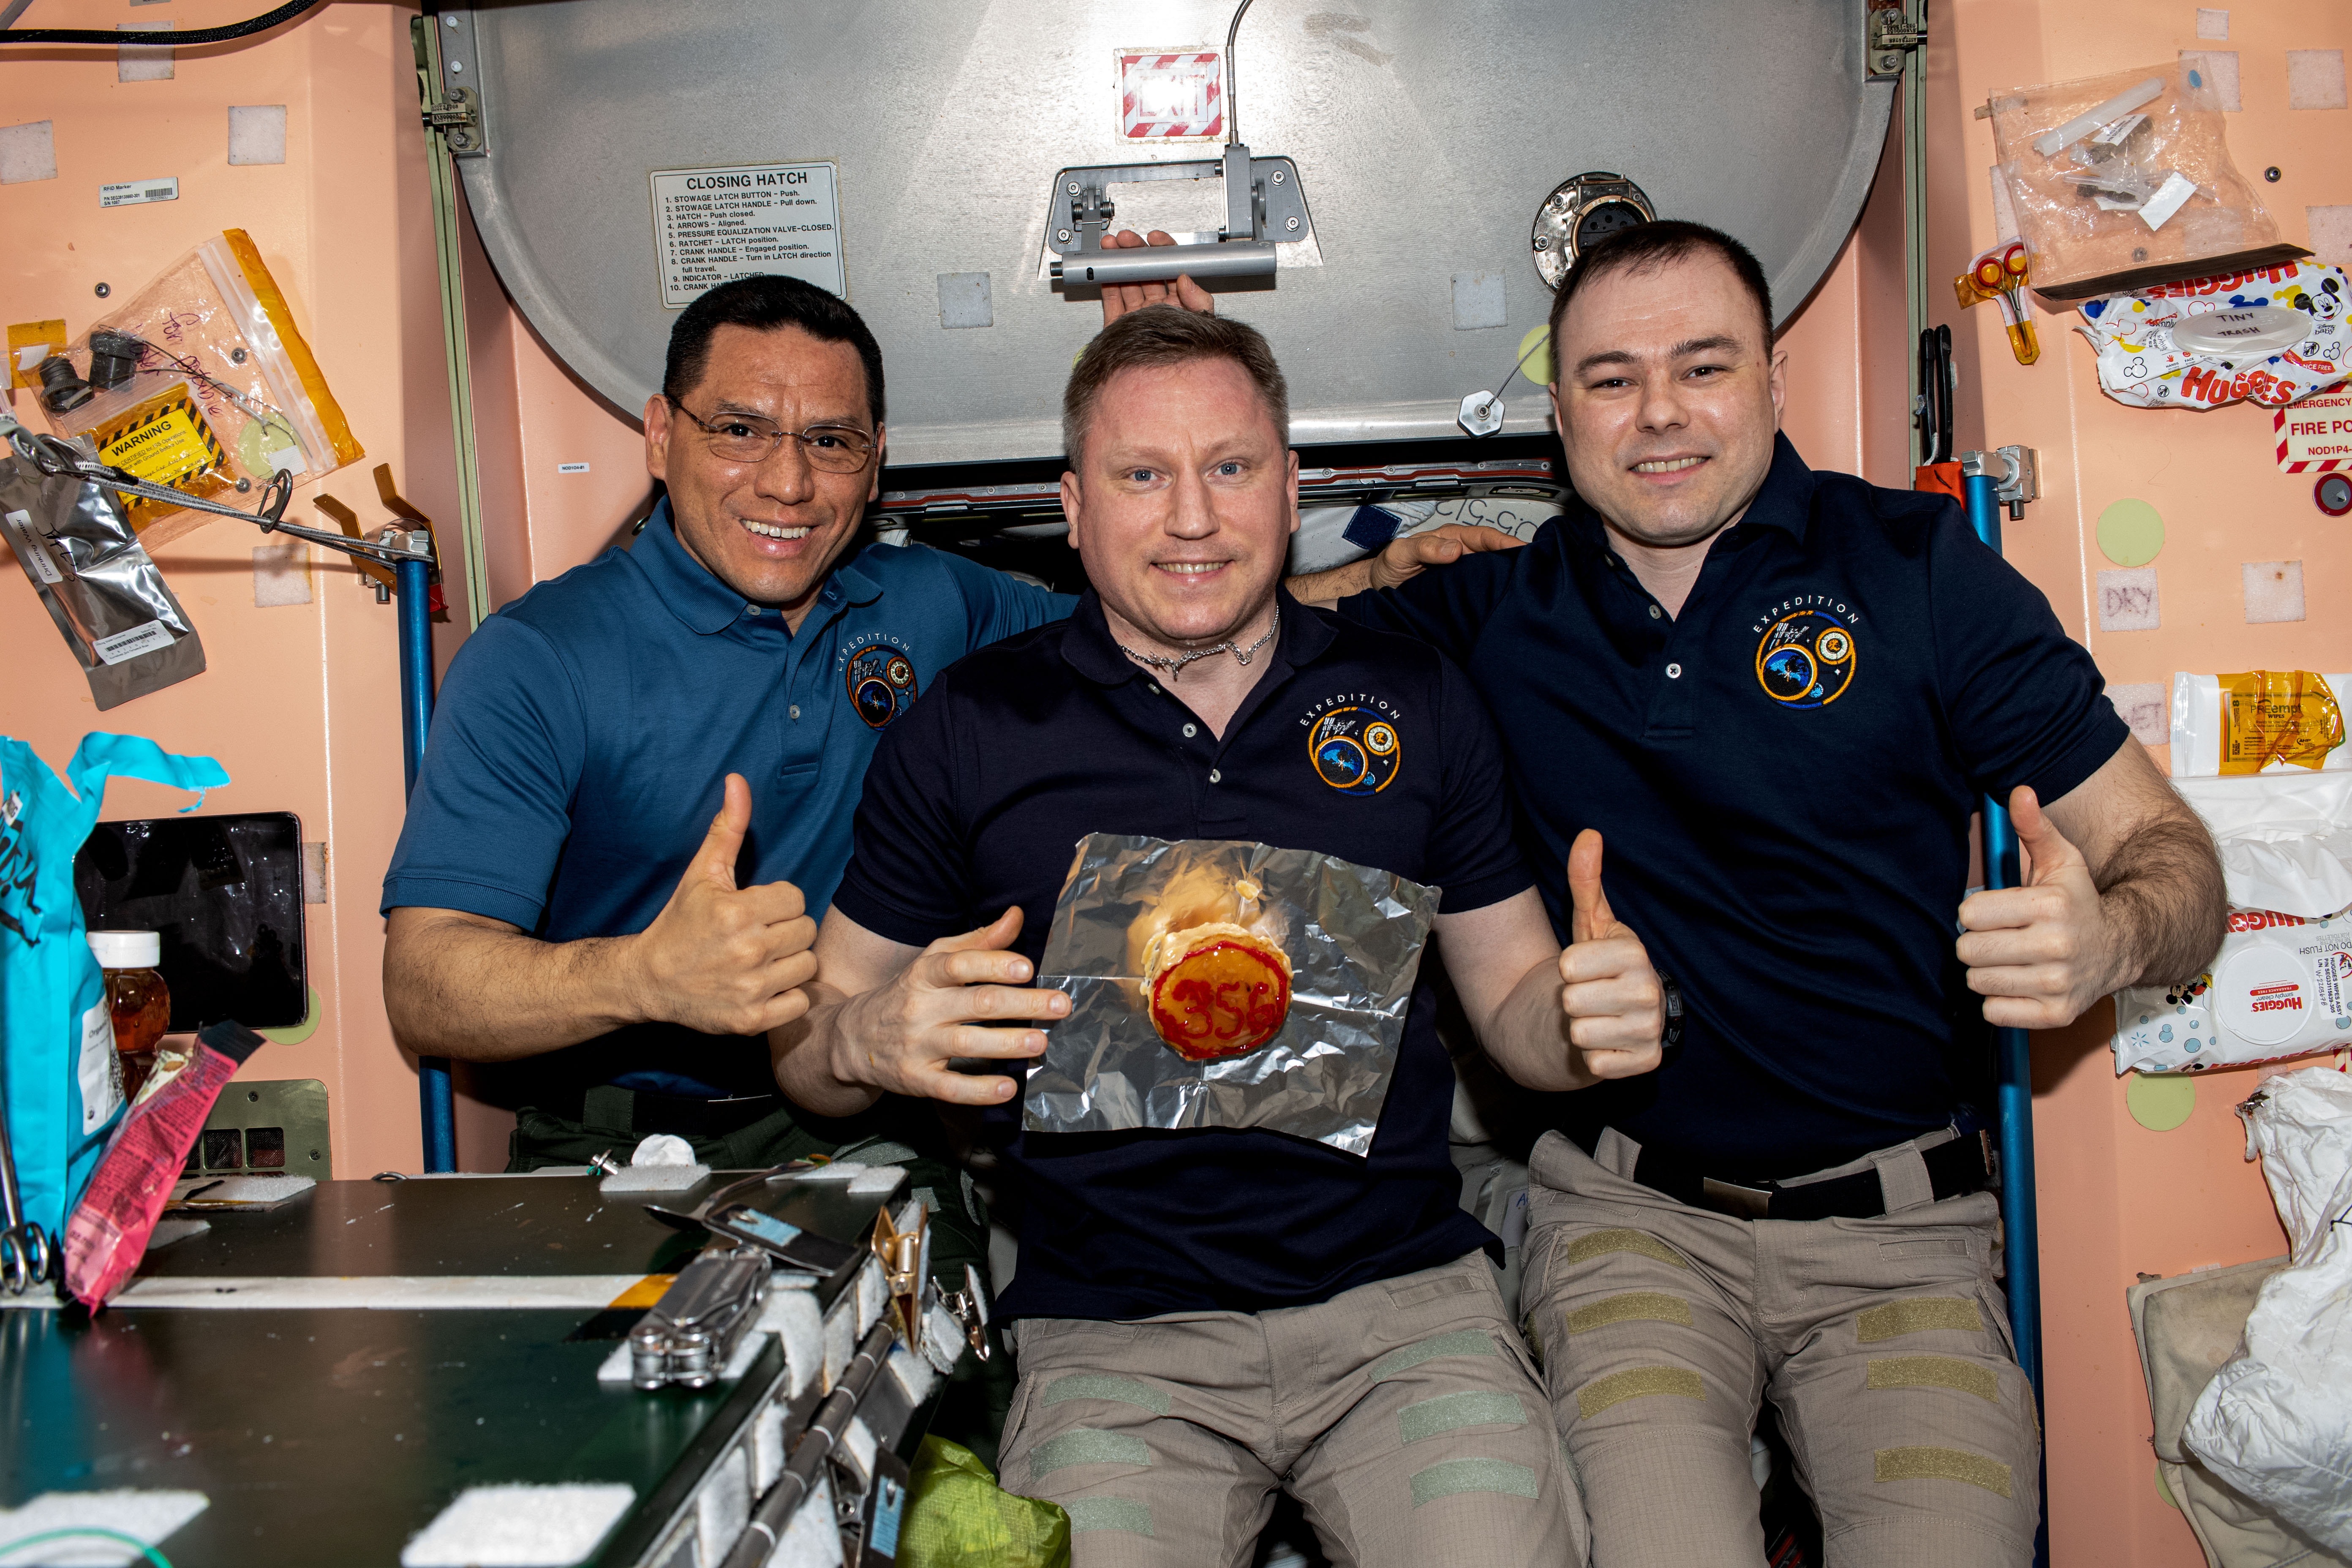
(1962, 1165)
(688, 1117)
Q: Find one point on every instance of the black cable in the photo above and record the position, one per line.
(1232, 113)
(245, 29)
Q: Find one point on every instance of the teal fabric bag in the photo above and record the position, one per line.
(57, 1036)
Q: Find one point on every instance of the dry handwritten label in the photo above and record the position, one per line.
(2277, 715)
(165, 441)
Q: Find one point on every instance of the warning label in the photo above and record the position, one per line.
(712, 226)
(2315, 435)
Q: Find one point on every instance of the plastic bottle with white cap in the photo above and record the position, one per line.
(137, 997)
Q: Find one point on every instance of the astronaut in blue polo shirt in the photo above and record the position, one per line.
(1208, 1316)
(1780, 693)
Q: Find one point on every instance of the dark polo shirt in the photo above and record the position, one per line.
(1355, 743)
(1783, 774)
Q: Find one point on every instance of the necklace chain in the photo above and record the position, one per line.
(1174, 663)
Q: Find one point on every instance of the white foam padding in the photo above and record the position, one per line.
(794, 1315)
(144, 62)
(1478, 300)
(2314, 79)
(617, 1366)
(2146, 707)
(840, 1337)
(257, 133)
(858, 1444)
(839, 1171)
(281, 575)
(168, 1231)
(873, 1296)
(811, 1539)
(2127, 600)
(2331, 233)
(519, 1526)
(2212, 22)
(27, 151)
(876, 1181)
(2219, 70)
(966, 300)
(151, 1516)
(2273, 591)
(915, 1374)
(654, 1179)
(239, 1192)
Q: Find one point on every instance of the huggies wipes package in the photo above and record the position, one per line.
(2274, 335)
(2281, 985)
(64, 1086)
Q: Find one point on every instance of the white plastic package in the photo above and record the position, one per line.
(2274, 335)
(2211, 735)
(2281, 986)
(2276, 1422)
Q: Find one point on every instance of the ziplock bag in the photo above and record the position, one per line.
(56, 1034)
(1353, 936)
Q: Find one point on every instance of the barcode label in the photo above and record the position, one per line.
(134, 193)
(28, 546)
(130, 644)
(571, 467)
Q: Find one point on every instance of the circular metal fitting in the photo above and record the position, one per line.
(1482, 413)
(2333, 494)
(1579, 212)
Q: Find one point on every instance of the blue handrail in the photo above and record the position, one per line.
(412, 594)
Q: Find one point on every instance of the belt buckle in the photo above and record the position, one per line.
(1740, 1202)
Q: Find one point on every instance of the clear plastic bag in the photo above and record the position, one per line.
(199, 380)
(2123, 181)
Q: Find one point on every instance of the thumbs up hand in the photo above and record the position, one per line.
(1614, 1001)
(2040, 953)
(722, 959)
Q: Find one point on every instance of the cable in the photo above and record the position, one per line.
(1233, 101)
(244, 29)
(145, 1551)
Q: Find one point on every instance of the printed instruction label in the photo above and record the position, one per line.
(98, 1068)
(713, 226)
(28, 546)
(149, 638)
(132, 194)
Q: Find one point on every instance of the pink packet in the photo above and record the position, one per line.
(107, 1235)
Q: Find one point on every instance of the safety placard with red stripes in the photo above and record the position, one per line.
(2314, 437)
(1172, 95)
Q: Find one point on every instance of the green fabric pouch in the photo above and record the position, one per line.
(958, 1517)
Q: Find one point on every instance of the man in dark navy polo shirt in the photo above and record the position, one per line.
(1780, 693)
(1210, 1315)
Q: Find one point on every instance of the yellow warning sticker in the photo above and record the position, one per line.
(165, 441)
(2277, 715)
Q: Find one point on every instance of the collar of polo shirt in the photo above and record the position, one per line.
(693, 593)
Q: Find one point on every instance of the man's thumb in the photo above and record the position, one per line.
(993, 937)
(2046, 848)
(725, 841)
(1588, 914)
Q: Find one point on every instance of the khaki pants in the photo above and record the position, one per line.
(1404, 1415)
(1882, 1344)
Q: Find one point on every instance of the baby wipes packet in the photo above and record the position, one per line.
(2273, 335)
(2281, 986)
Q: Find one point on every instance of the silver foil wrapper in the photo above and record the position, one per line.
(1354, 935)
(100, 586)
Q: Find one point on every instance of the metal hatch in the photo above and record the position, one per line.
(1425, 139)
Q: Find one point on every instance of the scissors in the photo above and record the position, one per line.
(25, 1256)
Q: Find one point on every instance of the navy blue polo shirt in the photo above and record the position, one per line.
(976, 801)
(582, 741)
(1783, 776)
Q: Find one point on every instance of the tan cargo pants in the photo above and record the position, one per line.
(1882, 1344)
(1405, 1416)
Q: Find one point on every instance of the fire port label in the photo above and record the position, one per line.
(714, 225)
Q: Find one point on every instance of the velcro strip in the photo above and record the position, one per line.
(1935, 1372)
(1102, 1386)
(1635, 1306)
(1585, 1248)
(1457, 1476)
(1085, 1446)
(1917, 1316)
(1461, 1341)
(1108, 1513)
(1924, 1464)
(1449, 1412)
(1620, 1386)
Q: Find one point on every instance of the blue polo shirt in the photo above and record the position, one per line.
(976, 801)
(582, 741)
(1783, 776)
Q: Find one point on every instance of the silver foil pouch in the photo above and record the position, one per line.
(1353, 935)
(100, 586)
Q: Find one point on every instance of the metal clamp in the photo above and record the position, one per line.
(2015, 471)
(692, 1330)
(448, 68)
(1889, 35)
(1263, 207)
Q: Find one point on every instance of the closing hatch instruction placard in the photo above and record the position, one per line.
(712, 226)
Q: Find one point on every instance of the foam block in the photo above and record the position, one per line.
(237, 1192)
(1478, 300)
(654, 1179)
(2273, 591)
(2127, 600)
(518, 1527)
(2314, 79)
(2219, 68)
(966, 300)
(151, 1516)
(2146, 707)
(144, 62)
(281, 575)
(876, 1181)
(257, 133)
(2212, 23)
(27, 151)
(2331, 233)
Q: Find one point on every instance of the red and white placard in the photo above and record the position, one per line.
(2314, 437)
(1172, 95)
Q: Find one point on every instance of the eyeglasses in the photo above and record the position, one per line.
(748, 438)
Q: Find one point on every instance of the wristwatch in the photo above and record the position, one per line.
(1673, 1002)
